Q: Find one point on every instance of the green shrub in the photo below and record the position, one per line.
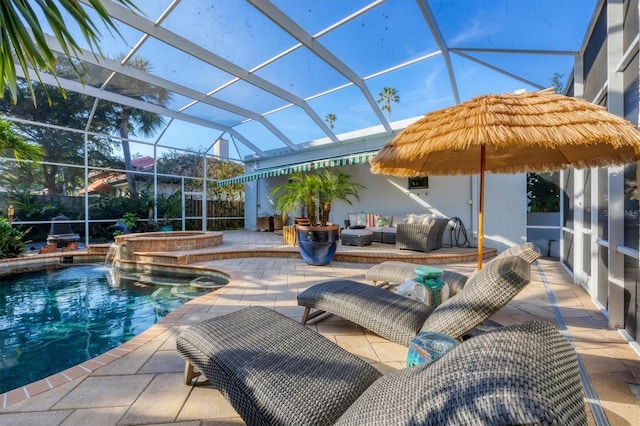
(130, 220)
(12, 240)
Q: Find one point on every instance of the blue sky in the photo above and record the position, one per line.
(390, 34)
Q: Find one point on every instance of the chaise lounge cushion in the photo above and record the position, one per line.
(398, 272)
(528, 251)
(394, 272)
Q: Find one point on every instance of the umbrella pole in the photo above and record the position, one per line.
(481, 208)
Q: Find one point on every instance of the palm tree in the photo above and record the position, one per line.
(136, 121)
(300, 190)
(330, 118)
(336, 186)
(556, 82)
(17, 18)
(313, 190)
(11, 140)
(388, 95)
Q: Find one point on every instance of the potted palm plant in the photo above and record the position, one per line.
(315, 192)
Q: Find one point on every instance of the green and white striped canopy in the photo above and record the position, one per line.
(346, 160)
(362, 158)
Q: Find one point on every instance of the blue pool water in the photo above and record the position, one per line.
(53, 320)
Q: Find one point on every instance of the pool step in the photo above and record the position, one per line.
(163, 281)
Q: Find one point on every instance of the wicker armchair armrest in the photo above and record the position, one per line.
(414, 236)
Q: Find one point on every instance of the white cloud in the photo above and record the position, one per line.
(479, 28)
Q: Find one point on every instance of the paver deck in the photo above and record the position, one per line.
(141, 382)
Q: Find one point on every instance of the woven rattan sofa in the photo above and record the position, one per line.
(419, 232)
(399, 319)
(275, 371)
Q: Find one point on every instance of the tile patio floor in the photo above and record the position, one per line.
(141, 381)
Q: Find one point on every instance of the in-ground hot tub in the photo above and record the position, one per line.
(129, 246)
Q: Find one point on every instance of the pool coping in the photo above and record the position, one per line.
(91, 365)
(36, 261)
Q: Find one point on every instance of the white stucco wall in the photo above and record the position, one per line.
(505, 217)
(505, 202)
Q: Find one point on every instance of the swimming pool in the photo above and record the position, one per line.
(55, 319)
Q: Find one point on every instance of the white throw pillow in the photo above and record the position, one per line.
(397, 220)
(413, 218)
(427, 219)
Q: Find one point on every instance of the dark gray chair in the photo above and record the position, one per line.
(273, 370)
(421, 237)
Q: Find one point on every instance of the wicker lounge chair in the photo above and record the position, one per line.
(521, 374)
(399, 319)
(286, 374)
(397, 272)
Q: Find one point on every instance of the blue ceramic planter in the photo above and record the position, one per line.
(318, 243)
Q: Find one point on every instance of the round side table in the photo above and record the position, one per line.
(431, 278)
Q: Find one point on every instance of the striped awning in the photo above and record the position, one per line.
(361, 158)
(267, 173)
(346, 160)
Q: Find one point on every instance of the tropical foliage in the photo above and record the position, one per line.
(134, 121)
(11, 140)
(72, 110)
(12, 240)
(300, 190)
(336, 186)
(315, 191)
(190, 163)
(543, 191)
(58, 145)
(23, 40)
(386, 97)
(330, 119)
(556, 82)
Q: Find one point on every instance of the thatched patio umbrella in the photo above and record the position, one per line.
(511, 133)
